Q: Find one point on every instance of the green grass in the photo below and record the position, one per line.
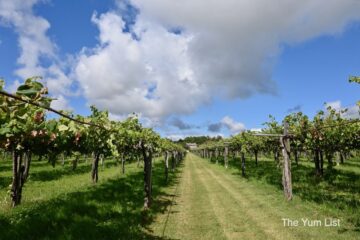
(217, 203)
(203, 200)
(337, 193)
(59, 203)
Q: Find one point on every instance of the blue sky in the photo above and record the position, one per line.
(217, 74)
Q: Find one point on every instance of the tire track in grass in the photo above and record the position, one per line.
(252, 211)
(166, 224)
(217, 208)
(211, 203)
(231, 218)
(264, 213)
(203, 220)
(191, 218)
(178, 216)
(270, 212)
(170, 209)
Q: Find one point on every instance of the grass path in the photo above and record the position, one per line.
(214, 203)
(201, 200)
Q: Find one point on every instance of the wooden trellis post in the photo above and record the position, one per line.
(226, 152)
(217, 155)
(286, 176)
(286, 166)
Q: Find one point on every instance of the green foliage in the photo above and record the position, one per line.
(355, 79)
(24, 129)
(198, 140)
(21, 121)
(97, 137)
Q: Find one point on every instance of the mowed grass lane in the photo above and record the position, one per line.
(212, 202)
(202, 201)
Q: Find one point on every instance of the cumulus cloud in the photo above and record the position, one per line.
(61, 103)
(58, 81)
(31, 30)
(334, 105)
(140, 64)
(150, 76)
(228, 123)
(233, 126)
(215, 127)
(13, 87)
(234, 42)
(221, 48)
(180, 124)
(34, 46)
(351, 112)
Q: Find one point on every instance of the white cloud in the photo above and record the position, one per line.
(31, 30)
(352, 112)
(61, 103)
(226, 48)
(115, 117)
(57, 81)
(233, 126)
(255, 129)
(235, 41)
(35, 45)
(13, 87)
(335, 105)
(147, 76)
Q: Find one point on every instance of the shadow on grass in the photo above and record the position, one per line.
(49, 173)
(5, 182)
(5, 166)
(111, 210)
(63, 171)
(57, 173)
(352, 164)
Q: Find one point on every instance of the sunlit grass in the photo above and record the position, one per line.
(59, 203)
(203, 200)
